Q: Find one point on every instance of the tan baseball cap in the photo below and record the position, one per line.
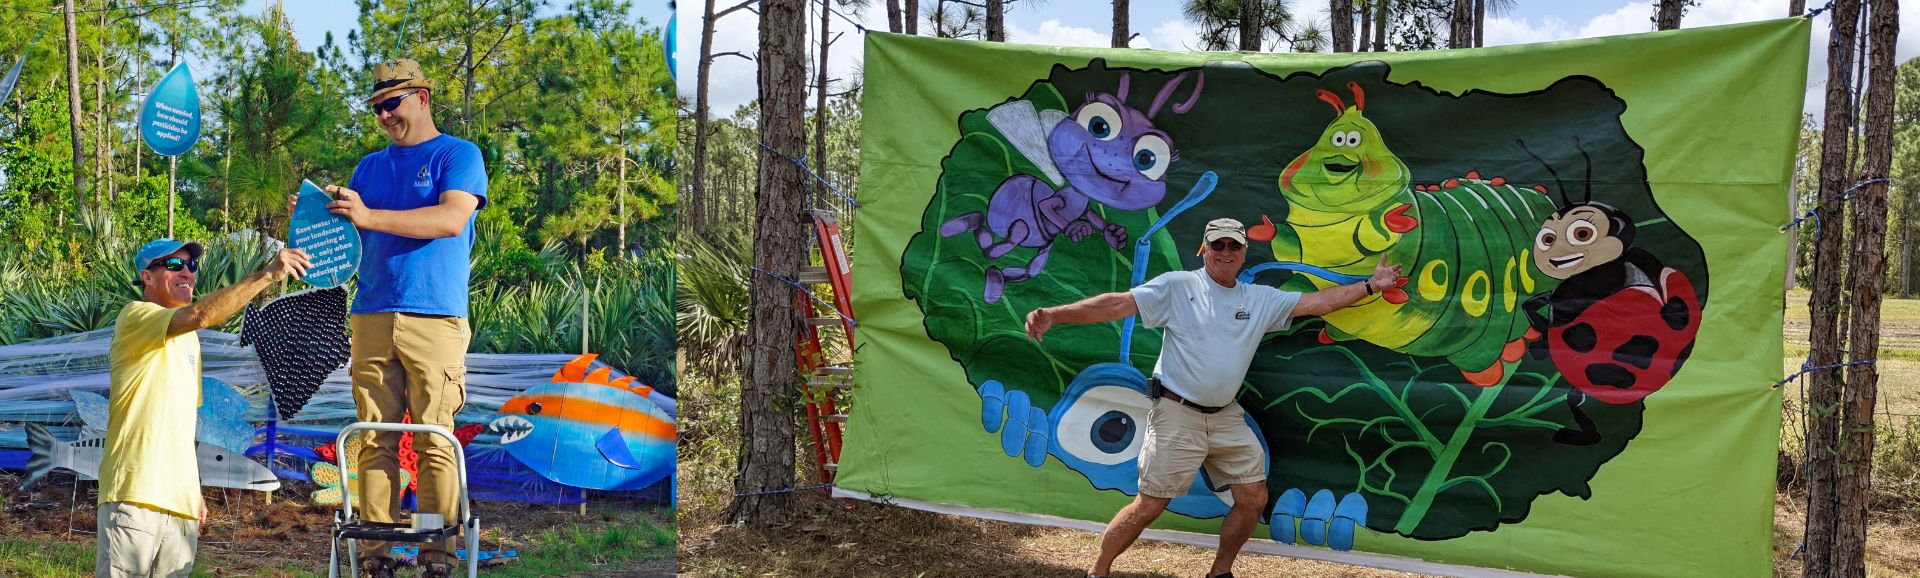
(396, 75)
(1226, 229)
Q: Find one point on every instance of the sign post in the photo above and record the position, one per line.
(170, 124)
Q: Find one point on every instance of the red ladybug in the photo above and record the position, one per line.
(1620, 324)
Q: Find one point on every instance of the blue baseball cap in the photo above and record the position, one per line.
(158, 248)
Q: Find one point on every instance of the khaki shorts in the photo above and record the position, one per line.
(1181, 441)
(137, 542)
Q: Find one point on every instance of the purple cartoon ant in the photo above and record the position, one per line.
(1109, 153)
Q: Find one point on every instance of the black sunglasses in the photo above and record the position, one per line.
(1225, 245)
(175, 264)
(392, 103)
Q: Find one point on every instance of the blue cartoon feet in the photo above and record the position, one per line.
(1286, 515)
(1321, 521)
(1023, 428)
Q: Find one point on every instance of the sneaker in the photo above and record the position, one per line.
(438, 570)
(376, 567)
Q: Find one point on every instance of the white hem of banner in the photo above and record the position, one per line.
(1381, 561)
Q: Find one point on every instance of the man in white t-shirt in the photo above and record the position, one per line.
(1213, 325)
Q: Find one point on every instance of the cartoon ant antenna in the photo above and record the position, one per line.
(1332, 99)
(1559, 184)
(1199, 82)
(1359, 97)
(1126, 78)
(1589, 159)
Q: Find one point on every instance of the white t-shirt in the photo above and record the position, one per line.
(1212, 331)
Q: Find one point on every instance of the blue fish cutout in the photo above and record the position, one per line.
(220, 424)
(331, 241)
(597, 435)
(170, 118)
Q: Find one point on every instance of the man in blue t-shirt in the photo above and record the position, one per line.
(414, 203)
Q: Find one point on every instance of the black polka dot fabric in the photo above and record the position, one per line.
(300, 338)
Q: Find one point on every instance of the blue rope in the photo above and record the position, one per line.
(809, 292)
(829, 8)
(1806, 367)
(403, 30)
(783, 491)
(1845, 196)
(1812, 12)
(802, 163)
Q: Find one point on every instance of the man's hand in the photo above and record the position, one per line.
(1384, 275)
(287, 261)
(347, 204)
(1038, 322)
(292, 200)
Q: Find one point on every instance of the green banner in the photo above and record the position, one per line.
(1574, 377)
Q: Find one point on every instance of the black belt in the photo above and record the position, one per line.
(1159, 390)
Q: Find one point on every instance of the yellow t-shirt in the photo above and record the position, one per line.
(149, 457)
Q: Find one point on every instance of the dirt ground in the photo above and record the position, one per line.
(243, 535)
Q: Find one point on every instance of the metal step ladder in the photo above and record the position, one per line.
(826, 415)
(350, 529)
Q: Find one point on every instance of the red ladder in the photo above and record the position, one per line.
(824, 414)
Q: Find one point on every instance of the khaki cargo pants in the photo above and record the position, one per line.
(137, 542)
(402, 362)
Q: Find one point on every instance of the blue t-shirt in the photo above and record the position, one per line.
(403, 274)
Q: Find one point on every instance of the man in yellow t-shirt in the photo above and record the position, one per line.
(150, 508)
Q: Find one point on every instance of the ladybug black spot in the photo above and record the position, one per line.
(1637, 352)
(1610, 375)
(1675, 313)
(1580, 337)
(1677, 361)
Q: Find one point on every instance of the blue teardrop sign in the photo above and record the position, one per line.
(170, 118)
(672, 25)
(331, 241)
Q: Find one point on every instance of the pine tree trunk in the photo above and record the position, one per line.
(697, 194)
(1366, 25)
(1460, 25)
(1250, 30)
(769, 391)
(996, 21)
(74, 112)
(893, 16)
(1380, 11)
(1479, 23)
(1796, 8)
(1824, 508)
(1121, 36)
(1668, 17)
(912, 17)
(1341, 12)
(820, 96)
(1868, 270)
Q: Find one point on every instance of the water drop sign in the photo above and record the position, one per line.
(170, 118)
(331, 241)
(672, 24)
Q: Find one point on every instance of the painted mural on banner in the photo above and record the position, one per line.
(1559, 356)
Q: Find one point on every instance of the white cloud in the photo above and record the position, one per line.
(1053, 33)
(1175, 35)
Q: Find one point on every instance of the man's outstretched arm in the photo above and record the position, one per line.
(223, 304)
(1096, 309)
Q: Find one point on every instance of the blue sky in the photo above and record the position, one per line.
(313, 19)
(1161, 26)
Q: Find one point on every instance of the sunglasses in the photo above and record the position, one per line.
(392, 103)
(1225, 245)
(175, 264)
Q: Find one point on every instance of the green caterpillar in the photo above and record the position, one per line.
(1466, 243)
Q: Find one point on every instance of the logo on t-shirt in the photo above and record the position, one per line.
(1241, 313)
(421, 179)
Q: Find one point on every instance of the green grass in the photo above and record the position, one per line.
(1891, 309)
(577, 549)
(34, 558)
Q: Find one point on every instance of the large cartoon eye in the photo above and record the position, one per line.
(1106, 425)
(1150, 156)
(1100, 120)
(1582, 232)
(1544, 239)
(1353, 139)
(1338, 139)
